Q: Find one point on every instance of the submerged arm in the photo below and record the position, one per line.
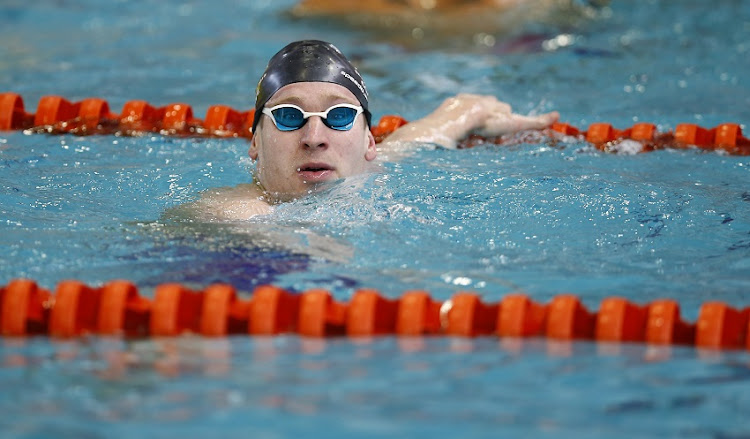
(459, 116)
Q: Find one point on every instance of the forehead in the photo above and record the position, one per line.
(312, 93)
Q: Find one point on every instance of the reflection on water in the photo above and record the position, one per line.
(378, 386)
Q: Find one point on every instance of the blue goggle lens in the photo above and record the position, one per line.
(288, 118)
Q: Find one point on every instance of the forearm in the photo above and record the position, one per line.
(429, 129)
(452, 121)
(458, 117)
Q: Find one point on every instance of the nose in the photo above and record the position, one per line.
(314, 134)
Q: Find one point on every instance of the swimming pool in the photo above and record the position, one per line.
(537, 217)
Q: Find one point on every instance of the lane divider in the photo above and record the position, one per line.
(56, 115)
(116, 308)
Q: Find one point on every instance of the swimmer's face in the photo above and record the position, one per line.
(292, 163)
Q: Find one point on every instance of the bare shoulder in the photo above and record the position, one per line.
(235, 203)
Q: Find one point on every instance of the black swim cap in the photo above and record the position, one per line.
(309, 61)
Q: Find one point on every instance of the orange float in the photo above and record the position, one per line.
(116, 308)
(55, 114)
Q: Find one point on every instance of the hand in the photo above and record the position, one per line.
(466, 114)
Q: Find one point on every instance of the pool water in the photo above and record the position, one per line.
(538, 216)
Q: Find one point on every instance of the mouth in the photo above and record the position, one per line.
(315, 172)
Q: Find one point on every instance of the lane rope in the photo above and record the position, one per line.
(75, 309)
(57, 115)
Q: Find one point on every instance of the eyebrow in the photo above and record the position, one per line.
(298, 100)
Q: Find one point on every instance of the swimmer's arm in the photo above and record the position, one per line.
(237, 203)
(459, 116)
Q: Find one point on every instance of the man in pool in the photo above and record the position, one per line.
(312, 126)
(470, 24)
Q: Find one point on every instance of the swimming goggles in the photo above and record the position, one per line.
(288, 117)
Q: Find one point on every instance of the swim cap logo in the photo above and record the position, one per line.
(257, 87)
(361, 87)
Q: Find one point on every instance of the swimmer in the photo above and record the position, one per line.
(449, 23)
(312, 126)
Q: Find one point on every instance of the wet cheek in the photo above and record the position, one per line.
(276, 157)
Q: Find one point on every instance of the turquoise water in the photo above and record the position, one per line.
(538, 217)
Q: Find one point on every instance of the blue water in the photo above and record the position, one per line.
(537, 217)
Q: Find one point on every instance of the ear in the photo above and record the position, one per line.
(372, 150)
(253, 151)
